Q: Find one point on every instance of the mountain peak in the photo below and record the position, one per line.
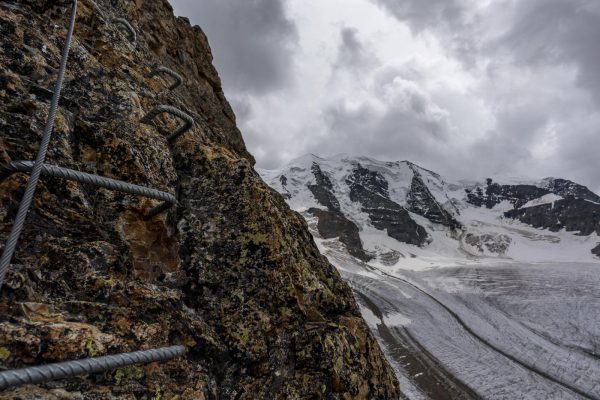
(415, 206)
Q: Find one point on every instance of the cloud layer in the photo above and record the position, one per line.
(468, 88)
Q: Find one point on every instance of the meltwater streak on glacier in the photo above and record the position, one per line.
(520, 325)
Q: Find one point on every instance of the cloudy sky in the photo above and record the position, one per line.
(467, 88)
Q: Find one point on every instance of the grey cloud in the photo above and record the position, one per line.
(352, 52)
(537, 36)
(424, 14)
(253, 41)
(453, 20)
(409, 126)
(557, 32)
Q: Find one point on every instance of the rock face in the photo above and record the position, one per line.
(572, 214)
(231, 272)
(332, 222)
(566, 188)
(323, 190)
(332, 225)
(494, 194)
(370, 189)
(421, 201)
(518, 195)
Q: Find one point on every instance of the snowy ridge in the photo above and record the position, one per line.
(479, 208)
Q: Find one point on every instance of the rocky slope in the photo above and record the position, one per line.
(231, 272)
(429, 216)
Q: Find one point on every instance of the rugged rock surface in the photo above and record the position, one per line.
(232, 273)
(323, 190)
(370, 189)
(422, 202)
(494, 244)
(518, 195)
(494, 193)
(574, 215)
(332, 225)
(332, 222)
(566, 188)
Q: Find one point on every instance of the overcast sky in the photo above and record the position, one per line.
(467, 88)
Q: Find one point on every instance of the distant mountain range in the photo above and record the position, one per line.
(387, 211)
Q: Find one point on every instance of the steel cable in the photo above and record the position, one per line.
(132, 33)
(82, 177)
(69, 369)
(13, 238)
(178, 80)
(188, 121)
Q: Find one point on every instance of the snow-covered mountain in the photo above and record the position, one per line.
(398, 213)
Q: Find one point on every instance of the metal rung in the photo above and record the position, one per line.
(178, 79)
(157, 210)
(69, 369)
(123, 22)
(82, 177)
(188, 120)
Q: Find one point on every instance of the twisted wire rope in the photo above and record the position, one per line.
(82, 177)
(123, 22)
(178, 80)
(69, 369)
(13, 238)
(188, 121)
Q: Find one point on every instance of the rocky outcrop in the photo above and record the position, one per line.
(322, 190)
(596, 250)
(332, 225)
(495, 244)
(231, 272)
(370, 189)
(566, 188)
(574, 215)
(422, 202)
(493, 194)
(518, 195)
(332, 222)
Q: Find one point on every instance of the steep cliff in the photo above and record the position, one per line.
(230, 272)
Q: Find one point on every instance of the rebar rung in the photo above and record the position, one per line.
(123, 22)
(160, 69)
(82, 177)
(188, 121)
(69, 369)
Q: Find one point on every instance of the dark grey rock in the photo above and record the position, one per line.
(495, 193)
(370, 189)
(421, 202)
(332, 224)
(323, 189)
(571, 214)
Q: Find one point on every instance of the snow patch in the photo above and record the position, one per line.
(396, 319)
(546, 199)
